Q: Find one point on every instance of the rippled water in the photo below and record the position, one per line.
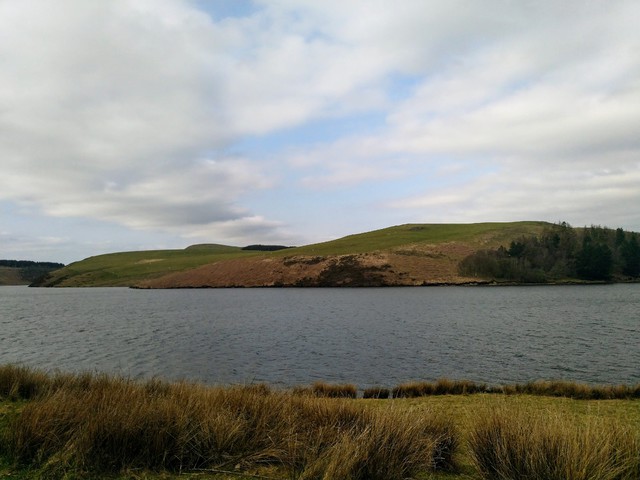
(296, 336)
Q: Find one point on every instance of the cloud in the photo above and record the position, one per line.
(108, 109)
(606, 196)
(127, 111)
(534, 114)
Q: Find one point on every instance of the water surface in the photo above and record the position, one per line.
(296, 336)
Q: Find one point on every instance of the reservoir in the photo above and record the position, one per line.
(365, 336)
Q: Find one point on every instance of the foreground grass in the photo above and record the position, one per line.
(92, 425)
(86, 426)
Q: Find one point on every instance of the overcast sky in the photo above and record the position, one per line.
(143, 124)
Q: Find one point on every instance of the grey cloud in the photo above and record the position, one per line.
(122, 110)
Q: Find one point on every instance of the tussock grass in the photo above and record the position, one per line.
(322, 389)
(440, 387)
(510, 444)
(556, 388)
(96, 424)
(573, 390)
(107, 424)
(19, 382)
(392, 445)
(376, 392)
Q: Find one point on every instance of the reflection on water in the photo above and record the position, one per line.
(294, 336)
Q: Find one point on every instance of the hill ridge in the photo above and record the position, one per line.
(403, 255)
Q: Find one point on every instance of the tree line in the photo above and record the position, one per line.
(29, 263)
(29, 270)
(560, 252)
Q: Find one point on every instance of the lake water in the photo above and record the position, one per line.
(376, 336)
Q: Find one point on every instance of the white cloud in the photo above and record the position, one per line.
(107, 109)
(546, 103)
(125, 111)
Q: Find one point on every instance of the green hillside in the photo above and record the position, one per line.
(128, 268)
(11, 276)
(487, 234)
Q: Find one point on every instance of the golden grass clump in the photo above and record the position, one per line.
(511, 444)
(580, 391)
(110, 424)
(18, 382)
(391, 445)
(442, 386)
(322, 389)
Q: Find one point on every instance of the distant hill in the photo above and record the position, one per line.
(24, 272)
(405, 255)
(412, 254)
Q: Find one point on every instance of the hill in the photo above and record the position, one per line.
(24, 272)
(412, 254)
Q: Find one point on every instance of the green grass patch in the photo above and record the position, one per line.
(125, 269)
(393, 237)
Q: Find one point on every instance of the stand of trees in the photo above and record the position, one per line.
(560, 252)
(265, 248)
(29, 270)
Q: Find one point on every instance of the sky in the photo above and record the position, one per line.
(151, 124)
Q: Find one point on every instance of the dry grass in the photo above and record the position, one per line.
(21, 382)
(17, 382)
(376, 392)
(556, 388)
(322, 389)
(508, 444)
(106, 424)
(392, 445)
(440, 387)
(573, 390)
(96, 424)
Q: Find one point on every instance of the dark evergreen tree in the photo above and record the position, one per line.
(560, 252)
(594, 260)
(630, 256)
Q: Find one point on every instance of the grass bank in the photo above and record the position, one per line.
(97, 426)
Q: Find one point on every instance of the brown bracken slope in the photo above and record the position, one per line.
(420, 265)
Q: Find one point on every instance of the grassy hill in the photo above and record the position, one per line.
(11, 276)
(127, 268)
(485, 235)
(433, 249)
